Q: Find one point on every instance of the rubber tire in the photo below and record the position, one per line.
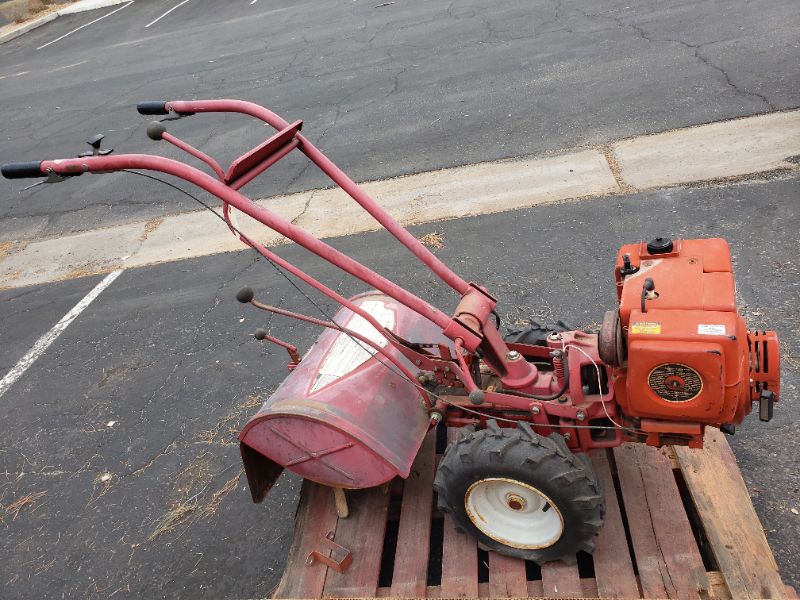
(545, 463)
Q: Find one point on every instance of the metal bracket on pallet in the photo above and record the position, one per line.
(333, 555)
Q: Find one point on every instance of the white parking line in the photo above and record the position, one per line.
(156, 20)
(77, 64)
(86, 25)
(15, 74)
(48, 338)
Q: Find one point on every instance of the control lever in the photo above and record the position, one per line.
(52, 177)
(648, 293)
(95, 142)
(174, 116)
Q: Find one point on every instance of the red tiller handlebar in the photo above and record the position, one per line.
(471, 324)
(338, 176)
(104, 164)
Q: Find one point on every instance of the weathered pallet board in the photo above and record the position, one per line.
(737, 538)
(459, 557)
(679, 524)
(411, 557)
(668, 560)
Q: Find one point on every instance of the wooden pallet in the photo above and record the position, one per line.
(679, 524)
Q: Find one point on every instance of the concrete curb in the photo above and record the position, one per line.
(716, 152)
(77, 7)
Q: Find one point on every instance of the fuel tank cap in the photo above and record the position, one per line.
(659, 245)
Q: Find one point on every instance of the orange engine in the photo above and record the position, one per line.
(684, 355)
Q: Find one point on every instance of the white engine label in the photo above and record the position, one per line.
(711, 329)
(347, 353)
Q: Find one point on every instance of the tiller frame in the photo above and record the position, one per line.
(695, 363)
(473, 327)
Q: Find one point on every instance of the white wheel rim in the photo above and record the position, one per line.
(514, 513)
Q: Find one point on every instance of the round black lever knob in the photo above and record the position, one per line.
(245, 295)
(156, 130)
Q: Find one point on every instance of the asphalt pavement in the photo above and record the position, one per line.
(385, 87)
(128, 421)
(122, 434)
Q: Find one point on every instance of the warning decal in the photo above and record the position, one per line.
(646, 327)
(711, 329)
(347, 353)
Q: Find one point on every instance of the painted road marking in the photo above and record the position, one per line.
(740, 147)
(46, 72)
(77, 64)
(116, 10)
(156, 20)
(15, 74)
(48, 338)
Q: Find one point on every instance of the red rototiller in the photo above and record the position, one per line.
(674, 357)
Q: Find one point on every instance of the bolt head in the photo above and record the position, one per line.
(513, 355)
(536, 410)
(581, 415)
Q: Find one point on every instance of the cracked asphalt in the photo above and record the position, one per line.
(128, 422)
(150, 385)
(385, 89)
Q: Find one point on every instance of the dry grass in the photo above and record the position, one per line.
(200, 473)
(22, 10)
(226, 430)
(150, 227)
(218, 496)
(183, 511)
(5, 248)
(616, 170)
(90, 268)
(174, 517)
(434, 239)
(16, 507)
(101, 485)
(197, 475)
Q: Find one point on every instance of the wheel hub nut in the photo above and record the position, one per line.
(515, 502)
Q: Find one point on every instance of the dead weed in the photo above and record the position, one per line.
(22, 10)
(226, 430)
(183, 511)
(434, 239)
(16, 507)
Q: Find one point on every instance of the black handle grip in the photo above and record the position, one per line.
(21, 170)
(155, 107)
